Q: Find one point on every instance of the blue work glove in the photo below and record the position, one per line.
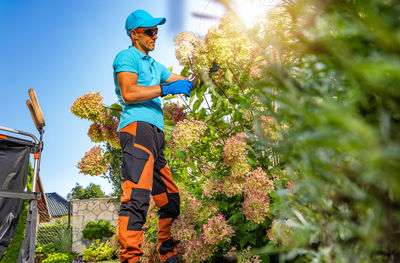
(177, 87)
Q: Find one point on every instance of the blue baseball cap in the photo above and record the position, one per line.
(141, 18)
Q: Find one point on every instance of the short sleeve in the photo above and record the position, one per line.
(165, 73)
(126, 61)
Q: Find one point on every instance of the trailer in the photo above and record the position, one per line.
(16, 148)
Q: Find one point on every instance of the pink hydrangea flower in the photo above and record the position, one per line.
(233, 185)
(235, 149)
(235, 153)
(256, 208)
(217, 230)
(93, 163)
(211, 187)
(89, 106)
(150, 253)
(182, 229)
(258, 183)
(187, 133)
(174, 112)
(95, 133)
(100, 132)
(197, 250)
(246, 256)
(109, 132)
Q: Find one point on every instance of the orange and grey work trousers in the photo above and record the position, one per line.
(145, 172)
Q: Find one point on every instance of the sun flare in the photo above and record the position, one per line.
(253, 11)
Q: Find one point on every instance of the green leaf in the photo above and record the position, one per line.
(181, 154)
(201, 115)
(200, 91)
(251, 160)
(169, 97)
(191, 99)
(116, 106)
(185, 71)
(197, 104)
(223, 205)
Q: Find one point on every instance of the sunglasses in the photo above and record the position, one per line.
(148, 31)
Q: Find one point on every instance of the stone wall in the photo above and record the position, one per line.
(93, 209)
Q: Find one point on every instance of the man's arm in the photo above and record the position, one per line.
(174, 77)
(132, 92)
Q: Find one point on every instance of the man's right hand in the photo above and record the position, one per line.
(177, 87)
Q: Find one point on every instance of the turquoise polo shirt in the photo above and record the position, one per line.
(150, 73)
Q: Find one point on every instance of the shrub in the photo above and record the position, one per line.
(12, 252)
(98, 230)
(43, 251)
(59, 258)
(98, 251)
(65, 241)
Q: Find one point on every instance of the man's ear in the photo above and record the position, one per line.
(133, 35)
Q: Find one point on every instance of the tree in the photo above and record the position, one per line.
(91, 191)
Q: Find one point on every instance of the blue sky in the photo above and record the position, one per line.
(64, 49)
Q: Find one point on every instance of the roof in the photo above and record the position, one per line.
(58, 205)
(43, 207)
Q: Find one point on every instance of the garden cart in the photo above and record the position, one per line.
(15, 150)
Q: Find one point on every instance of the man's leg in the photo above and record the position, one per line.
(166, 196)
(137, 175)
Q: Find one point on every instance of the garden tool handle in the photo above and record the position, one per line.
(35, 110)
(30, 107)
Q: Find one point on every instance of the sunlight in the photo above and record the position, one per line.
(253, 11)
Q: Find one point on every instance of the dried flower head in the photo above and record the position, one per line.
(256, 207)
(89, 106)
(212, 186)
(233, 185)
(174, 112)
(217, 230)
(258, 183)
(93, 163)
(187, 133)
(182, 229)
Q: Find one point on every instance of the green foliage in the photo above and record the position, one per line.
(43, 251)
(98, 230)
(115, 110)
(91, 191)
(114, 157)
(98, 251)
(65, 241)
(12, 252)
(320, 103)
(59, 258)
(339, 95)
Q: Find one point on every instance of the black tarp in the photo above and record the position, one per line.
(14, 165)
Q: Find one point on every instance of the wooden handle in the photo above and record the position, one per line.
(36, 109)
(30, 107)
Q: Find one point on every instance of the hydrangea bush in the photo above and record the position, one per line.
(225, 181)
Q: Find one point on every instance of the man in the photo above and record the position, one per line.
(139, 81)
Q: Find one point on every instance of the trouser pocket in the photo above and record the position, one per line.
(134, 159)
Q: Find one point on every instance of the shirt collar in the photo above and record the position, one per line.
(141, 54)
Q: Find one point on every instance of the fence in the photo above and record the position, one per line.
(54, 221)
